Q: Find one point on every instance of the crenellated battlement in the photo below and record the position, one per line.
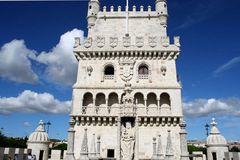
(121, 9)
(154, 47)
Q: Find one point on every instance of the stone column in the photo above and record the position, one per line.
(93, 152)
(145, 104)
(84, 149)
(136, 138)
(71, 137)
(107, 103)
(183, 141)
(154, 156)
(169, 147)
(119, 138)
(98, 146)
(158, 104)
(159, 149)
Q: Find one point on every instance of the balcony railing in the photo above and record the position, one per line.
(109, 77)
(143, 76)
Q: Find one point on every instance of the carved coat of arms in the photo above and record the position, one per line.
(100, 41)
(126, 69)
(88, 42)
(126, 41)
(152, 40)
(139, 41)
(113, 42)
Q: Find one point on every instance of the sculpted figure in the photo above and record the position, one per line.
(127, 142)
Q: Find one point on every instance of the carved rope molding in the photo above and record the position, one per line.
(135, 55)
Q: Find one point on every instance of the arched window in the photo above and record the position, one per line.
(100, 99)
(151, 100)
(87, 99)
(143, 71)
(165, 100)
(112, 99)
(109, 72)
(139, 99)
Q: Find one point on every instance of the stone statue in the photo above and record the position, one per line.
(127, 142)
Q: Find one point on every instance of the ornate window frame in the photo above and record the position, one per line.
(103, 71)
(149, 71)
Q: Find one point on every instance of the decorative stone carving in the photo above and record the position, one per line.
(163, 70)
(100, 41)
(165, 41)
(127, 141)
(128, 107)
(89, 70)
(77, 42)
(152, 40)
(139, 41)
(84, 109)
(113, 42)
(126, 41)
(126, 69)
(84, 148)
(88, 42)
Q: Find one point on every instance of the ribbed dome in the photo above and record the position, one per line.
(39, 135)
(215, 138)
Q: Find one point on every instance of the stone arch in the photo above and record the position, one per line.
(108, 71)
(143, 70)
(122, 95)
(87, 99)
(139, 98)
(152, 100)
(112, 99)
(100, 99)
(165, 100)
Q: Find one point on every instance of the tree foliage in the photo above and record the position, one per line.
(62, 146)
(192, 148)
(11, 142)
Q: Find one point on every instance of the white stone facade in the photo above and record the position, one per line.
(127, 74)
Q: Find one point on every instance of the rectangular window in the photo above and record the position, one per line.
(110, 153)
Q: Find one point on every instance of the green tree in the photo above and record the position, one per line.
(192, 148)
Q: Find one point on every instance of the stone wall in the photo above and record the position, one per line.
(22, 153)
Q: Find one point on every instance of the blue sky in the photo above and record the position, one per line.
(37, 68)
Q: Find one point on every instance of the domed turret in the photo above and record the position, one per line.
(216, 143)
(39, 135)
(38, 142)
(93, 9)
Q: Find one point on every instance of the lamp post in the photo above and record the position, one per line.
(48, 124)
(206, 127)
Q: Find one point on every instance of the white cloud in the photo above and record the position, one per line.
(32, 102)
(61, 62)
(230, 64)
(205, 107)
(26, 124)
(15, 64)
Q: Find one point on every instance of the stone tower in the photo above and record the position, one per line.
(127, 91)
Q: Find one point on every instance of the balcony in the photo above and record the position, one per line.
(108, 77)
(143, 76)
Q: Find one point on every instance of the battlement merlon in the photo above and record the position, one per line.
(151, 47)
(159, 15)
